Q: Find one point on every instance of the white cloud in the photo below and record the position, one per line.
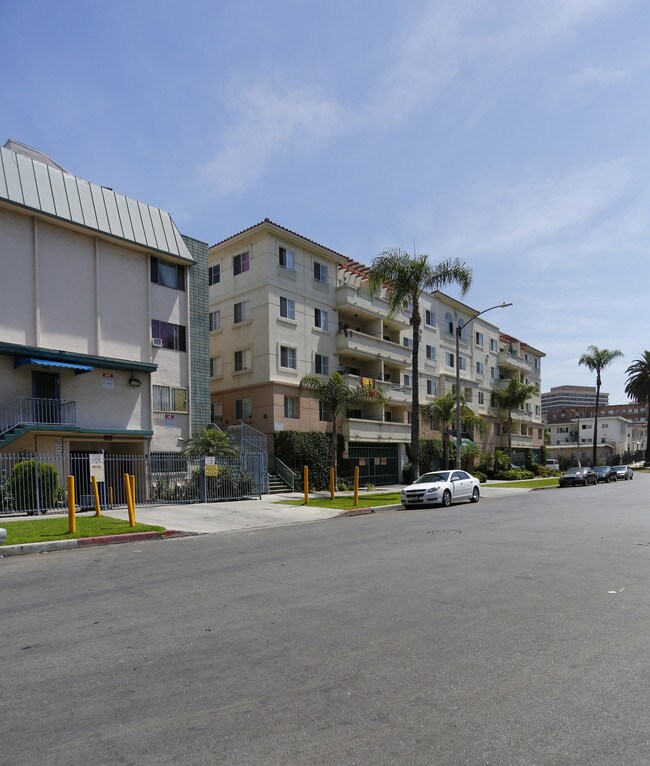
(597, 75)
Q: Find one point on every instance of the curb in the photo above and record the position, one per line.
(354, 512)
(86, 542)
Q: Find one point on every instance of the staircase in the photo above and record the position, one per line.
(277, 485)
(10, 435)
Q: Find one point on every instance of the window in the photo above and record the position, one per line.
(323, 412)
(449, 323)
(167, 274)
(168, 399)
(432, 388)
(407, 342)
(241, 312)
(429, 318)
(481, 397)
(480, 368)
(431, 353)
(243, 409)
(449, 359)
(320, 319)
(497, 429)
(287, 308)
(214, 320)
(214, 274)
(288, 357)
(320, 272)
(216, 367)
(240, 263)
(462, 363)
(290, 407)
(322, 364)
(286, 258)
(478, 339)
(242, 359)
(172, 335)
(493, 345)
(216, 412)
(494, 373)
(537, 409)
(408, 380)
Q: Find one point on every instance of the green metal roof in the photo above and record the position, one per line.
(103, 362)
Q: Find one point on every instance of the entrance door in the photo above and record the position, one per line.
(46, 390)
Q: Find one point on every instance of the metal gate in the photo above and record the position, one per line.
(378, 463)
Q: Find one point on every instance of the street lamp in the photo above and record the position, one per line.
(458, 330)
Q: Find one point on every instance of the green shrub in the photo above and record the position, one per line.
(514, 474)
(480, 476)
(312, 449)
(34, 486)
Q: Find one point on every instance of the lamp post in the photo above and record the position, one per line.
(458, 330)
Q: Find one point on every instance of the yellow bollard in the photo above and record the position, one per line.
(98, 508)
(129, 499)
(356, 485)
(332, 483)
(133, 497)
(72, 519)
(305, 482)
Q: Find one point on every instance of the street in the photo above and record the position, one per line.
(511, 632)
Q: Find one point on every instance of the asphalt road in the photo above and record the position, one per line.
(515, 631)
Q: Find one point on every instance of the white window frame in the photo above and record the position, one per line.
(322, 361)
(216, 366)
(320, 272)
(321, 319)
(241, 312)
(241, 262)
(214, 320)
(289, 258)
(288, 357)
(214, 274)
(246, 408)
(287, 308)
(169, 399)
(429, 318)
(245, 360)
(291, 407)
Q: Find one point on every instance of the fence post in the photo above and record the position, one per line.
(72, 519)
(356, 485)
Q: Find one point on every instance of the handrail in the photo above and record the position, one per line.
(284, 472)
(31, 410)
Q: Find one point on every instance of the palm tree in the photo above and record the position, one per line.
(441, 414)
(638, 389)
(336, 396)
(210, 441)
(596, 359)
(511, 398)
(408, 276)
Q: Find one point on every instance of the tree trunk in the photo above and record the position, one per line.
(647, 440)
(334, 435)
(415, 397)
(594, 451)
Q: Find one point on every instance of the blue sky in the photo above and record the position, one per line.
(513, 134)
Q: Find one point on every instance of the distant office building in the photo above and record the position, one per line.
(567, 397)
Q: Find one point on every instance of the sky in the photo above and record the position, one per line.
(511, 134)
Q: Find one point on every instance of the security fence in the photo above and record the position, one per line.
(36, 483)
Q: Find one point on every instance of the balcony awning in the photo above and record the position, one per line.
(79, 369)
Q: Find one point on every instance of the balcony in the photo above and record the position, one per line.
(356, 429)
(519, 440)
(29, 411)
(512, 361)
(360, 345)
(364, 302)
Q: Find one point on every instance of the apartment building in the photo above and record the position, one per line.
(103, 317)
(573, 440)
(283, 306)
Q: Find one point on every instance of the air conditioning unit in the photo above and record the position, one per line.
(156, 342)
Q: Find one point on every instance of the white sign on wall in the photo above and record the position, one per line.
(108, 380)
(96, 462)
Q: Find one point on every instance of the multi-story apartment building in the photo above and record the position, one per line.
(637, 413)
(103, 317)
(566, 397)
(573, 440)
(282, 306)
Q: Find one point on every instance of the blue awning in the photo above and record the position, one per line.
(78, 368)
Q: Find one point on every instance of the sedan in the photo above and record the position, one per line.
(624, 472)
(441, 488)
(605, 473)
(575, 476)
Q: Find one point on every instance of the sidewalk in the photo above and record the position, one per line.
(231, 516)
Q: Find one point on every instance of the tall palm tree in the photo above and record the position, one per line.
(210, 441)
(336, 396)
(596, 359)
(511, 398)
(638, 389)
(441, 414)
(408, 276)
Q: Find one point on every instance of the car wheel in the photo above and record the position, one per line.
(446, 498)
(476, 495)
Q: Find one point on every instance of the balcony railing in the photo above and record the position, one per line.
(31, 411)
(360, 344)
(359, 429)
(360, 300)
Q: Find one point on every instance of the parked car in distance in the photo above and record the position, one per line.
(605, 473)
(553, 464)
(441, 488)
(576, 476)
(624, 472)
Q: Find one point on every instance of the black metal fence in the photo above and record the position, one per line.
(37, 483)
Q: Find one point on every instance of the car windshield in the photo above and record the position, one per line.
(573, 471)
(427, 478)
(620, 468)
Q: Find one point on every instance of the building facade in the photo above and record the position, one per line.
(102, 306)
(283, 306)
(566, 397)
(572, 441)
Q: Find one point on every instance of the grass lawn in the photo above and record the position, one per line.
(551, 481)
(346, 502)
(44, 530)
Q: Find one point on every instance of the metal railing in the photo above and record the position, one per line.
(30, 410)
(284, 472)
(35, 484)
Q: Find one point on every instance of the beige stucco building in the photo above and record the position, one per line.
(283, 306)
(98, 302)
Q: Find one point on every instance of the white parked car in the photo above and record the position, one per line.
(441, 488)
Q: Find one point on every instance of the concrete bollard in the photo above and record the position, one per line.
(3, 536)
